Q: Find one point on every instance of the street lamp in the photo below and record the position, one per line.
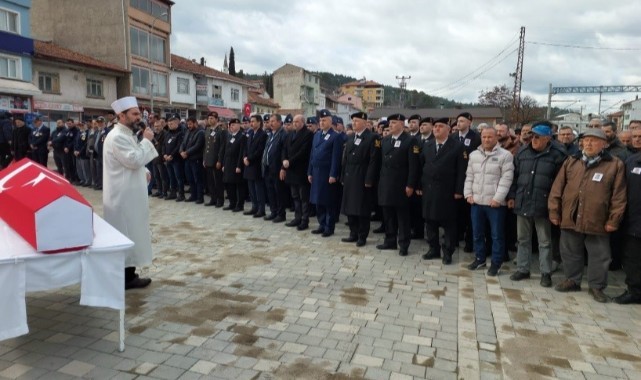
(151, 61)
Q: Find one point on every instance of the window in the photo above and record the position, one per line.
(94, 88)
(183, 85)
(140, 80)
(153, 8)
(140, 45)
(160, 84)
(8, 21)
(216, 92)
(49, 82)
(10, 67)
(235, 95)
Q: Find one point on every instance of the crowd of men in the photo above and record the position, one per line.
(574, 199)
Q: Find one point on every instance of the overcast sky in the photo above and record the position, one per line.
(451, 48)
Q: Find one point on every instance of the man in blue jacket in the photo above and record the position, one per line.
(323, 173)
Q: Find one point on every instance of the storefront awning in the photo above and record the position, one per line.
(16, 87)
(223, 112)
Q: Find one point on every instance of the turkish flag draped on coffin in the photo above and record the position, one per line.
(44, 208)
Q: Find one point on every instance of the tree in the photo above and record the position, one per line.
(268, 80)
(241, 74)
(499, 96)
(503, 98)
(232, 62)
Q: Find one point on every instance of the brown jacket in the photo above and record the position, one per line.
(511, 144)
(586, 199)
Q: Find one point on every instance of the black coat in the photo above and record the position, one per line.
(233, 158)
(632, 220)
(534, 174)
(58, 137)
(70, 137)
(254, 152)
(214, 142)
(172, 143)
(443, 175)
(193, 144)
(20, 142)
(361, 166)
(297, 148)
(40, 138)
(399, 169)
(471, 141)
(272, 157)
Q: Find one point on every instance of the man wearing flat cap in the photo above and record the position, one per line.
(398, 179)
(361, 168)
(124, 194)
(588, 200)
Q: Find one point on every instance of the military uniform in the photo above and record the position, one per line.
(399, 170)
(361, 168)
(58, 145)
(192, 145)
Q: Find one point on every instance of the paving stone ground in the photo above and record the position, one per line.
(239, 298)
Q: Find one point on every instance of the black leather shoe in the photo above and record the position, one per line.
(327, 234)
(386, 246)
(318, 231)
(138, 283)
(402, 252)
(227, 208)
(270, 217)
(259, 215)
(518, 276)
(250, 212)
(279, 219)
(208, 204)
(447, 258)
(546, 280)
(293, 223)
(431, 255)
(628, 298)
(361, 242)
(219, 205)
(350, 239)
(200, 201)
(190, 200)
(379, 230)
(180, 198)
(237, 209)
(302, 227)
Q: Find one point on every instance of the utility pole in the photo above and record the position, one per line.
(518, 78)
(402, 83)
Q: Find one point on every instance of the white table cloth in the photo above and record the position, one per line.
(99, 269)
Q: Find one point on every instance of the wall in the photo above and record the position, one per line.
(173, 89)
(287, 89)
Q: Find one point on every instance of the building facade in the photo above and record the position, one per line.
(16, 50)
(131, 34)
(297, 89)
(72, 85)
(631, 111)
(371, 93)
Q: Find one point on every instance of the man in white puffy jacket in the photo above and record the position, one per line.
(490, 170)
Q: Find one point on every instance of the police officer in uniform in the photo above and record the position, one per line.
(443, 162)
(398, 180)
(361, 168)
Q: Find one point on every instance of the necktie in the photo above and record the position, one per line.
(462, 138)
(438, 147)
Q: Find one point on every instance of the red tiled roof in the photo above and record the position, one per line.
(184, 64)
(254, 98)
(51, 51)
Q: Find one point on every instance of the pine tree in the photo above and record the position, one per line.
(232, 62)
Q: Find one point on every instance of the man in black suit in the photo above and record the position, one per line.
(271, 164)
(296, 151)
(232, 159)
(361, 168)
(39, 139)
(215, 138)
(253, 171)
(398, 179)
(191, 150)
(443, 161)
(470, 140)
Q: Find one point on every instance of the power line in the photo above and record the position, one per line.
(581, 46)
(512, 42)
(455, 89)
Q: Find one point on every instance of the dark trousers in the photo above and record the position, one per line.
(176, 170)
(130, 274)
(397, 225)
(82, 170)
(358, 226)
(573, 245)
(616, 248)
(194, 173)
(162, 177)
(257, 194)
(93, 170)
(464, 222)
(58, 155)
(219, 187)
(41, 156)
(98, 172)
(416, 215)
(300, 197)
(632, 263)
(325, 215)
(277, 193)
(495, 217)
(236, 194)
(5, 154)
(69, 163)
(450, 241)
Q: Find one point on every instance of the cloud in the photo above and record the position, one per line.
(441, 44)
